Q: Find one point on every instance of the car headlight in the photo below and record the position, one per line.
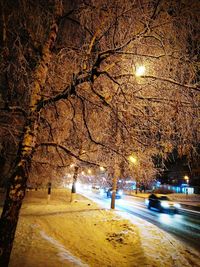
(120, 192)
(164, 204)
(177, 205)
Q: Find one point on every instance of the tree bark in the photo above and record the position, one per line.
(17, 183)
(14, 196)
(114, 186)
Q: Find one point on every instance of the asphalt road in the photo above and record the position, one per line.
(185, 226)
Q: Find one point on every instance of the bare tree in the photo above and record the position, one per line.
(18, 179)
(92, 79)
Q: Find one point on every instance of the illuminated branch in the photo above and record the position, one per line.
(164, 100)
(91, 137)
(189, 86)
(66, 150)
(66, 93)
(142, 55)
(44, 120)
(50, 164)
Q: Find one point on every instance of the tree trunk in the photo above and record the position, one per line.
(73, 191)
(16, 190)
(114, 185)
(49, 192)
(136, 186)
(17, 183)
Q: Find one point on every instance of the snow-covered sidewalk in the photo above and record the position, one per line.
(83, 234)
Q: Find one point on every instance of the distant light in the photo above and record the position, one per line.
(72, 165)
(101, 168)
(140, 71)
(186, 178)
(183, 185)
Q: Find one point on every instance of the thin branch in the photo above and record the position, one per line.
(14, 109)
(193, 87)
(66, 93)
(50, 164)
(66, 150)
(142, 55)
(164, 100)
(44, 120)
(91, 137)
(155, 9)
(190, 86)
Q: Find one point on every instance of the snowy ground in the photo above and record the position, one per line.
(60, 233)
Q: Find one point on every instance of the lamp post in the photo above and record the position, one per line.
(114, 184)
(73, 190)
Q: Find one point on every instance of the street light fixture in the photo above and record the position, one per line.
(140, 70)
(132, 159)
(186, 179)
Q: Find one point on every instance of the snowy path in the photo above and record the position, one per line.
(64, 255)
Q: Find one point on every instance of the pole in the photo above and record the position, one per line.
(49, 192)
(73, 191)
(114, 185)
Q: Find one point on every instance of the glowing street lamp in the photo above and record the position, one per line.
(186, 179)
(132, 159)
(140, 71)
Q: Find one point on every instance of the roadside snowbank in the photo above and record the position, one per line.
(192, 199)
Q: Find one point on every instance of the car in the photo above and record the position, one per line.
(162, 203)
(118, 194)
(95, 187)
